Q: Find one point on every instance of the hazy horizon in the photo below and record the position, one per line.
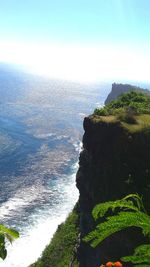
(80, 41)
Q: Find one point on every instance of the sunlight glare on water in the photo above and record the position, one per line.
(40, 140)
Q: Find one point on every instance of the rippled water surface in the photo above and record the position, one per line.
(40, 140)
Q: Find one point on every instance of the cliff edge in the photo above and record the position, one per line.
(115, 161)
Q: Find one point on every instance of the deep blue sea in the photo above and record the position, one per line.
(40, 140)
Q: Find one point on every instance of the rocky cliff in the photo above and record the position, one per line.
(118, 89)
(115, 161)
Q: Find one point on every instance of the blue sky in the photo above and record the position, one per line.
(83, 27)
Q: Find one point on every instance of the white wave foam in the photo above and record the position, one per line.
(78, 146)
(19, 201)
(44, 135)
(37, 235)
(29, 246)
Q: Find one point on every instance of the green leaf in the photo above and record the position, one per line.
(141, 255)
(130, 202)
(101, 209)
(119, 222)
(137, 259)
(3, 253)
(142, 249)
(2, 239)
(8, 231)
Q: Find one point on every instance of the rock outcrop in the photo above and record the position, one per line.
(115, 161)
(118, 89)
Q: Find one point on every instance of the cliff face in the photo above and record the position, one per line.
(118, 89)
(114, 162)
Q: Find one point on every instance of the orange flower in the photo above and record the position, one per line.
(118, 264)
(109, 264)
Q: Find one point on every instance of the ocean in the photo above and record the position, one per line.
(40, 140)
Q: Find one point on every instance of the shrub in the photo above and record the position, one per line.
(133, 101)
(127, 116)
(101, 111)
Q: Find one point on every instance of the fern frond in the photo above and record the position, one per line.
(138, 200)
(117, 223)
(101, 209)
(142, 249)
(130, 202)
(137, 259)
(133, 214)
(141, 255)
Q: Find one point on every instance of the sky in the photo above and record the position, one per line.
(84, 40)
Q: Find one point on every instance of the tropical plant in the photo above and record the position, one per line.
(127, 212)
(6, 234)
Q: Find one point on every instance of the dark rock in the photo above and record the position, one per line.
(113, 163)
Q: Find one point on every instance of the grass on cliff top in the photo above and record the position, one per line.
(107, 119)
(142, 122)
(60, 250)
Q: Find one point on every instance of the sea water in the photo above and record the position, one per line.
(40, 140)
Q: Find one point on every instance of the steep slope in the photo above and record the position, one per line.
(118, 89)
(115, 161)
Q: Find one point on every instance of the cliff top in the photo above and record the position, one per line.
(142, 122)
(131, 110)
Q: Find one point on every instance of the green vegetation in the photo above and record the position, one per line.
(60, 251)
(126, 106)
(142, 122)
(10, 235)
(127, 212)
